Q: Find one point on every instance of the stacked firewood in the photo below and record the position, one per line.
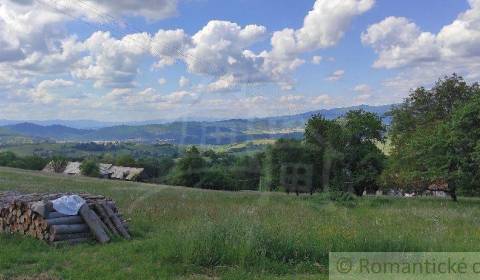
(34, 215)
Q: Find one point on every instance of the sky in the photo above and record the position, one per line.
(129, 60)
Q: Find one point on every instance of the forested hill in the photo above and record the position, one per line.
(189, 132)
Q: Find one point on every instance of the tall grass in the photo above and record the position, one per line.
(182, 233)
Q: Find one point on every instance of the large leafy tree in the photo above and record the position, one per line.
(427, 133)
(287, 151)
(363, 160)
(346, 150)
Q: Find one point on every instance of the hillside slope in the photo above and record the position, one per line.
(190, 132)
(182, 233)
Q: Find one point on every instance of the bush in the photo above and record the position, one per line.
(9, 159)
(343, 198)
(59, 164)
(217, 179)
(90, 168)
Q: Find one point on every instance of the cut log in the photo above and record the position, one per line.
(116, 221)
(104, 216)
(71, 220)
(64, 229)
(54, 215)
(63, 237)
(70, 242)
(41, 208)
(33, 215)
(94, 223)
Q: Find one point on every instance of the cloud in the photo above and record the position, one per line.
(220, 48)
(35, 46)
(323, 99)
(363, 89)
(150, 9)
(23, 31)
(169, 45)
(47, 90)
(335, 76)
(183, 82)
(423, 56)
(226, 83)
(291, 98)
(107, 10)
(399, 42)
(317, 59)
(162, 81)
(112, 62)
(323, 27)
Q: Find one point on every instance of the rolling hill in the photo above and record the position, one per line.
(190, 132)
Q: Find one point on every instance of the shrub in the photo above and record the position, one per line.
(343, 198)
(90, 168)
(59, 164)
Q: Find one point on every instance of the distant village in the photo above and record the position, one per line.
(107, 171)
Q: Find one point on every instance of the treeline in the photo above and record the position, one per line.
(434, 143)
(10, 159)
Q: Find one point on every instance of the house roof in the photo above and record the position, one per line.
(49, 168)
(125, 173)
(115, 172)
(438, 186)
(105, 168)
(73, 168)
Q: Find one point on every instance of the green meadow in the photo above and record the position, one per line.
(182, 233)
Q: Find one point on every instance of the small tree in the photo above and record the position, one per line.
(189, 170)
(126, 160)
(59, 164)
(90, 168)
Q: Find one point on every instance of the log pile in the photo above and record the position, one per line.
(34, 215)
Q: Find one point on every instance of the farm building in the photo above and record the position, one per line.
(438, 189)
(107, 171)
(126, 173)
(73, 168)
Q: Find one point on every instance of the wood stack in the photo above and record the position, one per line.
(33, 215)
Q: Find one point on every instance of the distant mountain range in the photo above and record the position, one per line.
(185, 132)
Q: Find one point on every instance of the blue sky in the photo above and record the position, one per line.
(211, 59)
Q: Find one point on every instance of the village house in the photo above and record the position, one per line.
(107, 171)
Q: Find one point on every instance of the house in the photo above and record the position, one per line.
(73, 168)
(438, 189)
(49, 168)
(107, 171)
(126, 173)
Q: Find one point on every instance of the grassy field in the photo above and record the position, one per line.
(182, 233)
(71, 150)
